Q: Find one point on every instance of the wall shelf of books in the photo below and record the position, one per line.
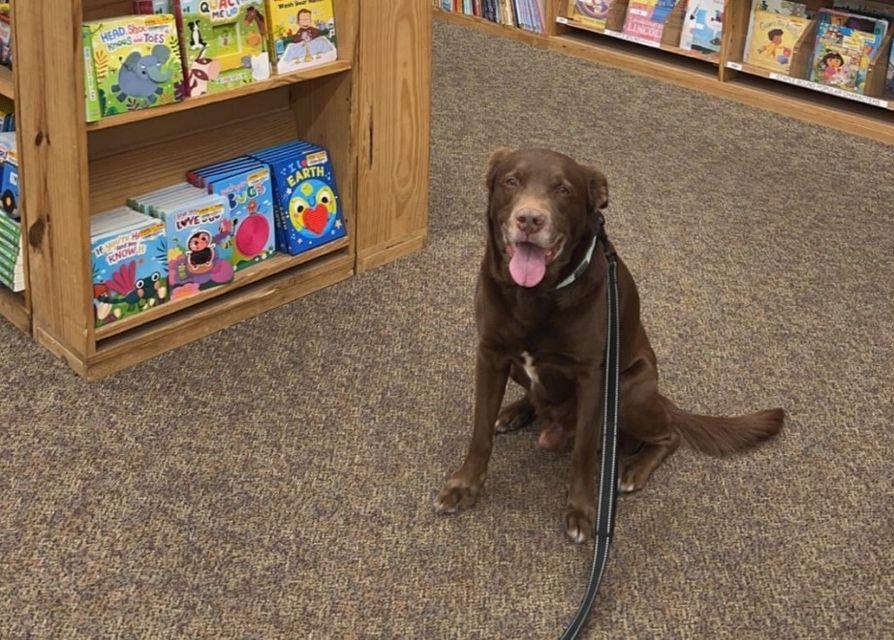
(204, 165)
(827, 61)
(14, 295)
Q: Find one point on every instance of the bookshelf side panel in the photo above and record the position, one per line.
(54, 161)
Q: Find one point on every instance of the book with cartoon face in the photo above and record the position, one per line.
(845, 45)
(773, 40)
(223, 43)
(592, 13)
(301, 34)
(131, 63)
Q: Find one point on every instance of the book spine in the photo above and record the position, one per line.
(91, 88)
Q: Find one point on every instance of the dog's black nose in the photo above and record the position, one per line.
(530, 221)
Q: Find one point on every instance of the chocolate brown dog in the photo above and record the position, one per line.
(549, 336)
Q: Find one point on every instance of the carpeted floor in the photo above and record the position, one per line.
(285, 492)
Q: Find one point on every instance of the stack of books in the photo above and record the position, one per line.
(12, 274)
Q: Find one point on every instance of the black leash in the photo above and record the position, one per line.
(608, 475)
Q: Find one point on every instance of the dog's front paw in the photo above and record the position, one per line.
(579, 523)
(458, 493)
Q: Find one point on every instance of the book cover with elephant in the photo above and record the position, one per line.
(302, 34)
(131, 63)
(223, 43)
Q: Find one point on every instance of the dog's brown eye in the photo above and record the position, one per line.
(511, 181)
(563, 190)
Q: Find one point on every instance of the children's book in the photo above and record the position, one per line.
(307, 207)
(223, 43)
(646, 18)
(12, 270)
(131, 63)
(5, 37)
(302, 33)
(773, 40)
(779, 7)
(248, 192)
(153, 6)
(199, 237)
(130, 271)
(589, 12)
(845, 45)
(9, 176)
(703, 26)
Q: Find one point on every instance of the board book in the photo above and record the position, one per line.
(129, 256)
(845, 45)
(773, 40)
(131, 63)
(301, 34)
(12, 273)
(199, 237)
(646, 18)
(247, 190)
(779, 7)
(307, 207)
(223, 43)
(702, 26)
(9, 176)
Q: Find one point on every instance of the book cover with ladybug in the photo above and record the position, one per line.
(249, 198)
(308, 208)
(130, 266)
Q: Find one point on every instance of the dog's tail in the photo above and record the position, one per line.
(726, 434)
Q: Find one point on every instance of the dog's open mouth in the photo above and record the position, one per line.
(528, 262)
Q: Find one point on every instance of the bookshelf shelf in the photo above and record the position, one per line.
(14, 307)
(278, 263)
(7, 83)
(339, 66)
(720, 75)
(357, 107)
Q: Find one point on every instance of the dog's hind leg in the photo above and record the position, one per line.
(514, 416)
(646, 426)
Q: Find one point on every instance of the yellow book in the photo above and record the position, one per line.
(773, 39)
(301, 33)
(589, 12)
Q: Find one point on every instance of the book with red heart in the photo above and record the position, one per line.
(305, 196)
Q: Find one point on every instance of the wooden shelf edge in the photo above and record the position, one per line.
(270, 267)
(713, 58)
(275, 82)
(147, 342)
(835, 113)
(380, 255)
(14, 308)
(515, 33)
(7, 83)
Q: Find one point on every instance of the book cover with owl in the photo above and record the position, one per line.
(301, 34)
(307, 207)
(131, 63)
(223, 43)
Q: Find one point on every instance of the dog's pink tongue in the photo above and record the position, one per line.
(528, 264)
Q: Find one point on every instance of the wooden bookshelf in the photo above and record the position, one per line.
(723, 74)
(357, 107)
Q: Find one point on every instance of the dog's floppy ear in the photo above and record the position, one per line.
(597, 187)
(495, 159)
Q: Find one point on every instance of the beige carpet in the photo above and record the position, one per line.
(274, 481)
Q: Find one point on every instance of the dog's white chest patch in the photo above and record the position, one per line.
(529, 367)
